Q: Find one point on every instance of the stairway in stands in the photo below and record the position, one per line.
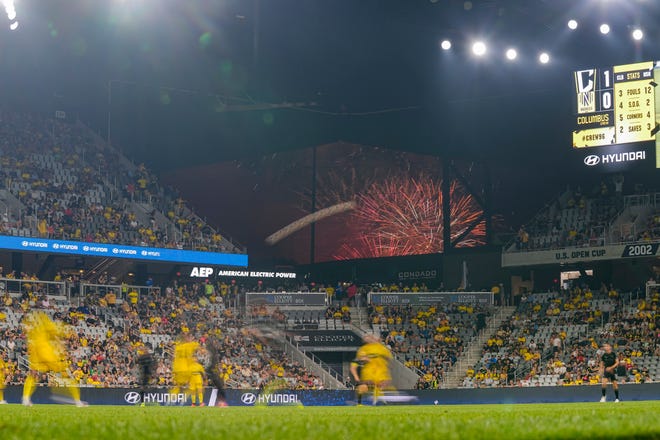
(472, 354)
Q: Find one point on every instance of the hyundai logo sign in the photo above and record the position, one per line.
(614, 158)
(592, 160)
(248, 398)
(132, 397)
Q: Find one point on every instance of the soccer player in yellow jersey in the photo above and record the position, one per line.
(46, 354)
(3, 377)
(196, 384)
(371, 369)
(184, 364)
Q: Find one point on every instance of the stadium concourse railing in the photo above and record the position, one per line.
(120, 290)
(55, 290)
(331, 378)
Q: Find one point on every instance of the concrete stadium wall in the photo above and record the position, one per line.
(130, 396)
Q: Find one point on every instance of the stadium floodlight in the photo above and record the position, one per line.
(604, 28)
(445, 45)
(544, 58)
(479, 48)
(511, 54)
(637, 34)
(572, 24)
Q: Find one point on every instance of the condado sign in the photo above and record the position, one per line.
(579, 255)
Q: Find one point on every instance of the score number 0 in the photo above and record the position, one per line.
(606, 97)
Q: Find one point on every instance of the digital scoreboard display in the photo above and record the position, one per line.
(616, 106)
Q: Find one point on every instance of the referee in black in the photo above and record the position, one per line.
(608, 363)
(147, 365)
(214, 369)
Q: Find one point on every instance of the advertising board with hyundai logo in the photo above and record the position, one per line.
(107, 250)
(344, 397)
(615, 116)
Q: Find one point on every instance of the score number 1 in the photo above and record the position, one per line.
(606, 96)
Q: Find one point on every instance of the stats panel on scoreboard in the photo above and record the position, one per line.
(615, 105)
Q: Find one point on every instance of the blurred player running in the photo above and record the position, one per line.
(370, 369)
(196, 384)
(186, 370)
(47, 354)
(3, 377)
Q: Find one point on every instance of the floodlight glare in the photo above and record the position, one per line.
(445, 45)
(511, 54)
(544, 58)
(572, 24)
(13, 26)
(10, 9)
(604, 28)
(479, 48)
(637, 34)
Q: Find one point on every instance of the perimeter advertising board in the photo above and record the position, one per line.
(107, 250)
(286, 299)
(580, 255)
(428, 298)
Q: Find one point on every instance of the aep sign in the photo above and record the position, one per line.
(201, 272)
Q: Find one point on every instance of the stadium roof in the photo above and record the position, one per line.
(186, 83)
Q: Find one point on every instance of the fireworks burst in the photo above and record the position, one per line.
(349, 170)
(403, 216)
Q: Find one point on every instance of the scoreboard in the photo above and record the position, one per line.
(615, 105)
(617, 114)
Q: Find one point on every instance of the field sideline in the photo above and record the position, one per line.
(536, 421)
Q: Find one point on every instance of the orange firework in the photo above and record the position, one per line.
(403, 216)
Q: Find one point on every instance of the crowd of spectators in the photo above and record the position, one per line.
(111, 325)
(107, 333)
(430, 338)
(559, 336)
(578, 219)
(556, 335)
(70, 185)
(651, 231)
(573, 219)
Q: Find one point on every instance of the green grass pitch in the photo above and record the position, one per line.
(638, 420)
